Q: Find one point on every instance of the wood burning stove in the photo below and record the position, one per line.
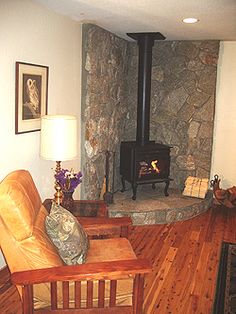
(143, 161)
(148, 164)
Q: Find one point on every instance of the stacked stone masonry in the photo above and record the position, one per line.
(182, 103)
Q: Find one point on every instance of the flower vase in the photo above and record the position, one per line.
(68, 201)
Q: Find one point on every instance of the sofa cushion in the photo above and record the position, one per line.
(67, 235)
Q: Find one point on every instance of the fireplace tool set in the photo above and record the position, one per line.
(107, 185)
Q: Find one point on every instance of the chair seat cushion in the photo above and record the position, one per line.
(67, 235)
(100, 251)
(110, 249)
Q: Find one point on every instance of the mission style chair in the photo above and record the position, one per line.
(110, 281)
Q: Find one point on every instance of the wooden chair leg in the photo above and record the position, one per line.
(27, 295)
(124, 232)
(138, 294)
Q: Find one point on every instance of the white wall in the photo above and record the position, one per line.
(224, 148)
(31, 33)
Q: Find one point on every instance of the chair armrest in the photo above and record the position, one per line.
(89, 205)
(90, 271)
(106, 226)
(84, 208)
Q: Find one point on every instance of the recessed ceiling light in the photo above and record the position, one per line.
(190, 20)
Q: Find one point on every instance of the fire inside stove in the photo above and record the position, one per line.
(148, 168)
(144, 164)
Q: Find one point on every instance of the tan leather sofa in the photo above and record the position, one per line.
(33, 260)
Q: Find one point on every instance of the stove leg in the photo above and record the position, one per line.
(166, 187)
(153, 186)
(134, 191)
(123, 184)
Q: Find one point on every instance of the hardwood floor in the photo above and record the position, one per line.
(185, 259)
(9, 298)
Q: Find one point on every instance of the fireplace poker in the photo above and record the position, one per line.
(108, 196)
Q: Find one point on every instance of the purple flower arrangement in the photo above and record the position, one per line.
(68, 180)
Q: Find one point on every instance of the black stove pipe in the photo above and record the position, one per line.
(145, 43)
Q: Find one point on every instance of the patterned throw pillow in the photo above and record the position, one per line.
(67, 235)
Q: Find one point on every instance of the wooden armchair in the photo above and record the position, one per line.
(111, 280)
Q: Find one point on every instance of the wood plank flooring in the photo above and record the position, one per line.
(185, 258)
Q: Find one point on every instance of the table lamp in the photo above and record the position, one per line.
(58, 142)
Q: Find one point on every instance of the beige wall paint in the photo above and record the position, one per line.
(224, 148)
(31, 33)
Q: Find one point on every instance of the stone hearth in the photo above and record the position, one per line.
(152, 207)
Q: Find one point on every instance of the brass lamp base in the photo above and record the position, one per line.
(58, 195)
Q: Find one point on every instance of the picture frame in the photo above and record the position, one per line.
(31, 96)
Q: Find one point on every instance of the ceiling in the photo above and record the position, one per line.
(217, 18)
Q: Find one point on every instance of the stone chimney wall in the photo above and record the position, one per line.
(182, 103)
(104, 103)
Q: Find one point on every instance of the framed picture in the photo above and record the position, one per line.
(31, 96)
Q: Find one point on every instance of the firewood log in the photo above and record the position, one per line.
(226, 197)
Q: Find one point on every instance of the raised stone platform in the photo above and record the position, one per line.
(152, 207)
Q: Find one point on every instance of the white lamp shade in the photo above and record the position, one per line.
(58, 137)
